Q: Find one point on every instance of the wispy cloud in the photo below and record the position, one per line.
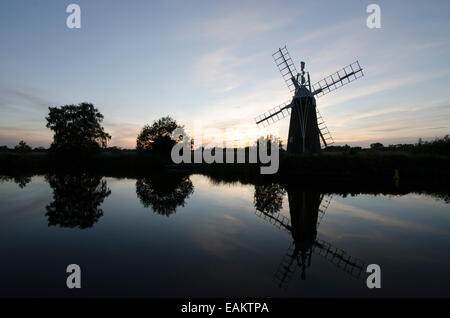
(24, 97)
(372, 216)
(329, 30)
(383, 86)
(35, 137)
(219, 69)
(123, 134)
(247, 21)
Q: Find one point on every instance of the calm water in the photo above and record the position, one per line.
(189, 236)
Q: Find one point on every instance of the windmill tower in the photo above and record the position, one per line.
(306, 127)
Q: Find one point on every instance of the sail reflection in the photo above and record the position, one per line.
(306, 210)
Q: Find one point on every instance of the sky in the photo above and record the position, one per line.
(211, 62)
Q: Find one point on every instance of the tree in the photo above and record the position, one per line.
(376, 145)
(420, 142)
(158, 136)
(22, 147)
(77, 128)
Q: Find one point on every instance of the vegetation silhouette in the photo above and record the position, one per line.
(268, 197)
(78, 132)
(22, 147)
(164, 193)
(76, 200)
(158, 137)
(77, 129)
(20, 180)
(438, 146)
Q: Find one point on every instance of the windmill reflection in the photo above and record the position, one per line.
(164, 193)
(76, 200)
(306, 209)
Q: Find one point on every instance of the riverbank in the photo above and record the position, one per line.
(325, 167)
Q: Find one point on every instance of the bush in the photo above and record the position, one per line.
(22, 147)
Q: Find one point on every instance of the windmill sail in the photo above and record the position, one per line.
(307, 130)
(276, 219)
(286, 66)
(344, 76)
(339, 258)
(324, 133)
(324, 203)
(273, 115)
(286, 269)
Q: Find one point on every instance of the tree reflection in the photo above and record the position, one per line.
(164, 193)
(21, 180)
(268, 198)
(77, 200)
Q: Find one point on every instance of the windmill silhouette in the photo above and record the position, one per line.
(306, 127)
(306, 212)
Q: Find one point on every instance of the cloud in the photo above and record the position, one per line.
(123, 134)
(10, 136)
(389, 110)
(375, 88)
(374, 217)
(24, 98)
(247, 21)
(337, 28)
(237, 111)
(219, 69)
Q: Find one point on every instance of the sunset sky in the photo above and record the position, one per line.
(212, 61)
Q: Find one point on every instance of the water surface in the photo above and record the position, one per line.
(180, 236)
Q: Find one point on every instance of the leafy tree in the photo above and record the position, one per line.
(22, 147)
(77, 128)
(158, 136)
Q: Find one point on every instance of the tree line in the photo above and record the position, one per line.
(77, 129)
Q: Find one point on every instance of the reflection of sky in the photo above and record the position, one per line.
(216, 245)
(212, 61)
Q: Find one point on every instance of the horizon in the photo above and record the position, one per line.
(139, 61)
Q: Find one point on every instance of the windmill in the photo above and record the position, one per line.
(306, 127)
(306, 212)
